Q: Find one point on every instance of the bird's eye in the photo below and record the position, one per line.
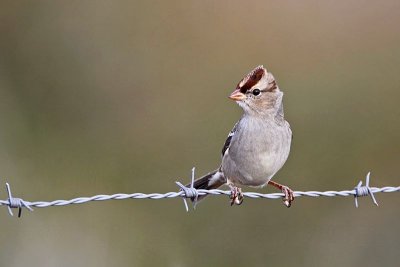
(256, 91)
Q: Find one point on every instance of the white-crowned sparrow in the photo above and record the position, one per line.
(259, 143)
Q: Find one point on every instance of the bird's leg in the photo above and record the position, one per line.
(289, 196)
(236, 195)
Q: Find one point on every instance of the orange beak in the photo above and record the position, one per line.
(237, 95)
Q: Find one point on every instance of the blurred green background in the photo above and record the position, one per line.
(101, 97)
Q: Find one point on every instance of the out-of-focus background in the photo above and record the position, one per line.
(101, 97)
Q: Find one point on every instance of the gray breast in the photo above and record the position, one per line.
(257, 151)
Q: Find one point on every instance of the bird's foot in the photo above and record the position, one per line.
(236, 195)
(288, 197)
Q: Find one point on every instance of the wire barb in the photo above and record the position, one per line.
(364, 190)
(14, 202)
(189, 192)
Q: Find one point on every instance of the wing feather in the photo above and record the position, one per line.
(228, 140)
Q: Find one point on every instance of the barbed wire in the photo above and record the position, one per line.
(192, 193)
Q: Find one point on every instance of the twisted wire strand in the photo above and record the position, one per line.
(193, 194)
(255, 195)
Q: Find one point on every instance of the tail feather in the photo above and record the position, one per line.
(212, 180)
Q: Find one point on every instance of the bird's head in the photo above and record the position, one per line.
(258, 92)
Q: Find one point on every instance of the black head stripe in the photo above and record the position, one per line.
(251, 79)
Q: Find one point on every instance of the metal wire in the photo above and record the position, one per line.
(192, 193)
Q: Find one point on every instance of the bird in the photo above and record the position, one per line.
(258, 145)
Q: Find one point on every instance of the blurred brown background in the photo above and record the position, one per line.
(100, 97)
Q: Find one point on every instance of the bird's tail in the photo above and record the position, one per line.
(212, 180)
